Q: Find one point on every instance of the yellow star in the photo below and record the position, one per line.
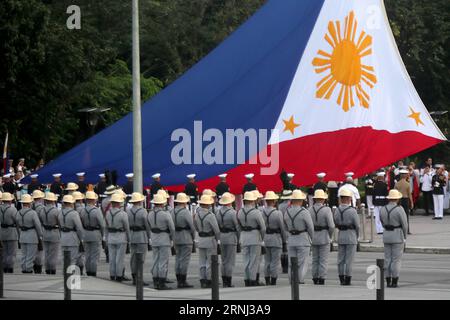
(290, 125)
(416, 116)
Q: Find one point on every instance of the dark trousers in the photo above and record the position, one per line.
(427, 201)
(404, 202)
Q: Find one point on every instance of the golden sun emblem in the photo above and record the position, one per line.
(344, 64)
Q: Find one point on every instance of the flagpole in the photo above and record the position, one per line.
(137, 130)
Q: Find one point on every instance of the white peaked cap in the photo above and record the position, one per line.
(321, 174)
(81, 174)
(129, 175)
(101, 175)
(403, 171)
(57, 175)
(223, 175)
(290, 175)
(8, 175)
(249, 175)
(191, 176)
(34, 176)
(349, 174)
(156, 175)
(381, 174)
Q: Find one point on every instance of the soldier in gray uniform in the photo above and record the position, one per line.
(52, 235)
(347, 221)
(162, 232)
(79, 207)
(94, 232)
(209, 234)
(275, 239)
(38, 206)
(183, 239)
(299, 224)
(323, 232)
(30, 233)
(285, 201)
(395, 224)
(118, 237)
(9, 232)
(140, 231)
(229, 236)
(71, 228)
(253, 230)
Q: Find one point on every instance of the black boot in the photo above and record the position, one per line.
(47, 272)
(273, 281)
(119, 279)
(179, 281)
(342, 280)
(321, 281)
(389, 282)
(394, 283)
(53, 271)
(38, 269)
(155, 283)
(257, 283)
(348, 281)
(202, 283)
(267, 280)
(208, 284)
(5, 270)
(315, 280)
(113, 278)
(134, 279)
(184, 282)
(162, 284)
(230, 285)
(81, 270)
(224, 282)
(247, 283)
(35, 268)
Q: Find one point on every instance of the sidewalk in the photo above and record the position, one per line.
(428, 236)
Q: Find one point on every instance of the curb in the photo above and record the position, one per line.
(426, 250)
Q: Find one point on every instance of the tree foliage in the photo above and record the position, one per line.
(48, 72)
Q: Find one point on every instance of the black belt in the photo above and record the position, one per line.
(64, 229)
(182, 228)
(206, 234)
(26, 228)
(115, 230)
(272, 231)
(227, 230)
(137, 228)
(49, 227)
(389, 227)
(246, 228)
(319, 228)
(157, 230)
(88, 228)
(343, 227)
(4, 225)
(296, 232)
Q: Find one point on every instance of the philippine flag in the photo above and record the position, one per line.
(306, 86)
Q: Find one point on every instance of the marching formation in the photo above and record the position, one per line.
(271, 225)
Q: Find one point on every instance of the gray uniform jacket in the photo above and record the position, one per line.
(228, 225)
(184, 226)
(275, 231)
(322, 218)
(39, 208)
(161, 226)
(394, 216)
(28, 218)
(70, 219)
(206, 222)
(117, 220)
(49, 219)
(139, 227)
(251, 218)
(93, 224)
(298, 219)
(348, 217)
(8, 223)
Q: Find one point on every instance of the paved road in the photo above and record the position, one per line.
(424, 276)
